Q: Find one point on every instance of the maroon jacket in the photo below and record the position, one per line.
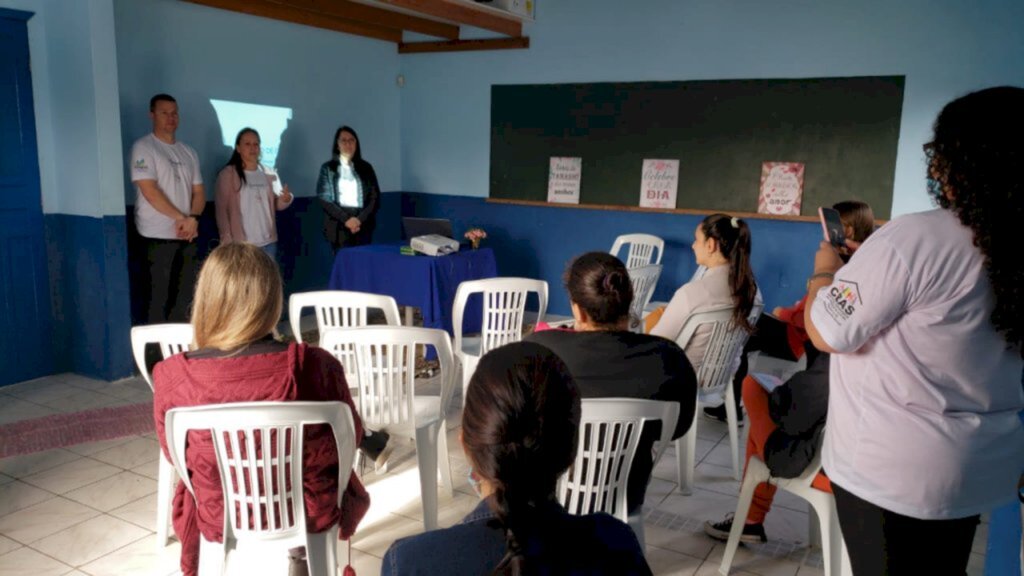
(298, 373)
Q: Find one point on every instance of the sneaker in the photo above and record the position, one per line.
(752, 533)
(297, 562)
(718, 413)
(378, 448)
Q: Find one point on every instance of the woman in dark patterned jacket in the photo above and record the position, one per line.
(348, 192)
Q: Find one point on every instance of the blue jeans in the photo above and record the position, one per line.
(271, 250)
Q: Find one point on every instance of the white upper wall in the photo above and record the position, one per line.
(945, 48)
(197, 54)
(74, 80)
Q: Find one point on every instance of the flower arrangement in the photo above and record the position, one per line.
(475, 235)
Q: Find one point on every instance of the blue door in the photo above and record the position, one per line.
(24, 286)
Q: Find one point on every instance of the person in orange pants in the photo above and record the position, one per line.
(785, 433)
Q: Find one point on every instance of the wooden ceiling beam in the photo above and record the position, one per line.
(464, 45)
(463, 14)
(276, 11)
(349, 10)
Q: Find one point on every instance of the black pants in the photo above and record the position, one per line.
(882, 543)
(172, 276)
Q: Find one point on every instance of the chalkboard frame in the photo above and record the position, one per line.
(845, 130)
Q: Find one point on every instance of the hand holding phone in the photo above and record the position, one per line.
(832, 227)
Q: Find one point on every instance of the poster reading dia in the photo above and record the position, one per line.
(659, 181)
(564, 180)
(782, 188)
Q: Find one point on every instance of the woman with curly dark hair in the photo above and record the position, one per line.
(520, 429)
(925, 327)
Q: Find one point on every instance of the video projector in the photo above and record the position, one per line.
(434, 245)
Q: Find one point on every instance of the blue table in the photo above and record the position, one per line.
(427, 282)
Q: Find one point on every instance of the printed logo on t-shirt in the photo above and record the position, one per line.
(140, 165)
(843, 300)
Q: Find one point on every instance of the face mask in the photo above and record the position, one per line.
(474, 482)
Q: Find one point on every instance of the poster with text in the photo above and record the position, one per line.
(564, 180)
(659, 182)
(782, 188)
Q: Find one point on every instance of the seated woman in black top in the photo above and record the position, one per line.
(609, 361)
(520, 427)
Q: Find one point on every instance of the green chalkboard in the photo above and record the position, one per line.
(844, 130)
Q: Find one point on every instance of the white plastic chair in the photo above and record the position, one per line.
(271, 517)
(172, 339)
(609, 432)
(386, 367)
(641, 249)
(823, 521)
(340, 309)
(644, 279)
(714, 380)
(504, 302)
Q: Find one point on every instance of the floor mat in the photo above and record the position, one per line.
(59, 430)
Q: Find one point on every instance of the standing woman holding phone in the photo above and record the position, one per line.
(348, 192)
(925, 326)
(248, 194)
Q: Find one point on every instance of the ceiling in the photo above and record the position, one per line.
(388, 20)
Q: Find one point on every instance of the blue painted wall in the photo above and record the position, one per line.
(538, 242)
(74, 84)
(89, 279)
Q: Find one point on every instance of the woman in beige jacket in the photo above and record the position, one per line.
(248, 194)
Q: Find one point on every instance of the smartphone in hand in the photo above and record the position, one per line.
(832, 227)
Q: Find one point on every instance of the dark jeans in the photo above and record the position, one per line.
(881, 542)
(172, 276)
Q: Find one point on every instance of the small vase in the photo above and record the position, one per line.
(475, 244)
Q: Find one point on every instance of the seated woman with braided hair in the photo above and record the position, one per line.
(520, 427)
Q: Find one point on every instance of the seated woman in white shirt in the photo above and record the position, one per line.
(722, 245)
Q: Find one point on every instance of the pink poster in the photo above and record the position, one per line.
(782, 188)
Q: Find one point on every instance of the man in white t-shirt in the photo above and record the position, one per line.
(169, 200)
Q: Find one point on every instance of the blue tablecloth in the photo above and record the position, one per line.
(427, 282)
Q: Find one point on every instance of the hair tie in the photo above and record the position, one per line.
(608, 282)
(735, 222)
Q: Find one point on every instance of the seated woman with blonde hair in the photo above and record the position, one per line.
(237, 305)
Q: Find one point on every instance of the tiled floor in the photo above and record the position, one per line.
(90, 508)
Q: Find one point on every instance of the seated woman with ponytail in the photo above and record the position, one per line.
(520, 426)
(607, 360)
(722, 245)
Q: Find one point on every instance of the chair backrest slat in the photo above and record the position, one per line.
(725, 344)
(171, 338)
(258, 446)
(504, 309)
(641, 249)
(385, 364)
(609, 436)
(340, 309)
(644, 279)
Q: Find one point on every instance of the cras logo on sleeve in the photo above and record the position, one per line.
(140, 165)
(843, 300)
